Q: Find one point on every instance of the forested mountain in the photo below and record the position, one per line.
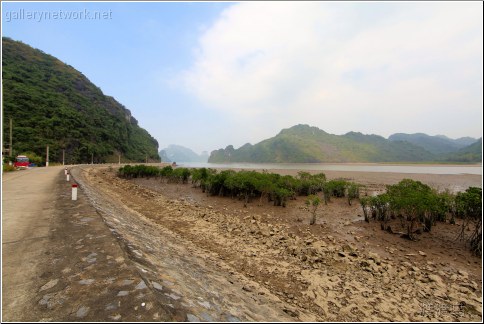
(178, 153)
(53, 104)
(434, 144)
(306, 144)
(464, 141)
(471, 153)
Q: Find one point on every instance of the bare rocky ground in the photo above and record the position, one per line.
(211, 259)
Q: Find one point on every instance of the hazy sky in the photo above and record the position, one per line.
(206, 75)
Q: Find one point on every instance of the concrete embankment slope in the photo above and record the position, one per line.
(59, 260)
(184, 276)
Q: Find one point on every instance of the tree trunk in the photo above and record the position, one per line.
(313, 219)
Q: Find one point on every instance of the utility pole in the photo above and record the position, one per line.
(119, 158)
(47, 157)
(92, 158)
(146, 158)
(63, 156)
(10, 140)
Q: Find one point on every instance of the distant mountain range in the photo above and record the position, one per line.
(178, 153)
(306, 144)
(434, 144)
(471, 153)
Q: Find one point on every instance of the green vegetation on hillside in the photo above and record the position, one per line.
(433, 144)
(53, 104)
(471, 153)
(305, 144)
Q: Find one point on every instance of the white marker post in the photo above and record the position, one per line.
(65, 171)
(74, 192)
(67, 176)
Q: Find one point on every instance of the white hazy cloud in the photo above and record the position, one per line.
(371, 67)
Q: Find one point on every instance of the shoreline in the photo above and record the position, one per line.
(463, 164)
(455, 169)
(377, 180)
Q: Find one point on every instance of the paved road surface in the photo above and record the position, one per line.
(27, 209)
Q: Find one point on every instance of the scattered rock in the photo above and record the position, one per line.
(291, 312)
(375, 257)
(115, 317)
(437, 279)
(86, 281)
(173, 296)
(192, 318)
(127, 282)
(141, 285)
(231, 318)
(246, 288)
(168, 283)
(463, 273)
(157, 286)
(424, 280)
(407, 264)
(51, 300)
(82, 311)
(364, 263)
(422, 253)
(49, 285)
(112, 306)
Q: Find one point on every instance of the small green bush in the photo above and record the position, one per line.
(8, 168)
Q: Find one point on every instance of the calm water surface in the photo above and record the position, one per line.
(400, 168)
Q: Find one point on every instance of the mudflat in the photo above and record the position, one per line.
(341, 269)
